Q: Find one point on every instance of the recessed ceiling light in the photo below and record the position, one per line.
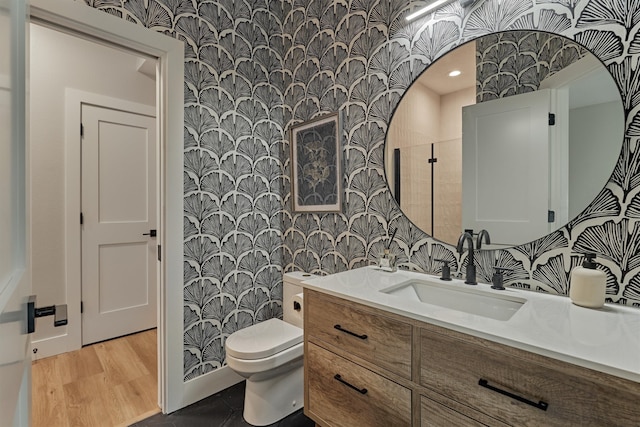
(455, 73)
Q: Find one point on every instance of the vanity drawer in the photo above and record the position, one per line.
(342, 393)
(455, 367)
(437, 411)
(433, 414)
(377, 339)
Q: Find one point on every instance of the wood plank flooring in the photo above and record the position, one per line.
(112, 383)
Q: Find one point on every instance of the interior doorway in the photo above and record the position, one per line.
(104, 175)
(80, 175)
(88, 23)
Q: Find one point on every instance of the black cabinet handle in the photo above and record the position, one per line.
(151, 233)
(341, 329)
(540, 405)
(359, 390)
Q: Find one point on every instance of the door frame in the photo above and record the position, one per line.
(559, 85)
(82, 21)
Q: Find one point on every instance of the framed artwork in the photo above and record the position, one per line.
(316, 176)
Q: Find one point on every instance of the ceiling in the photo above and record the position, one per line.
(437, 79)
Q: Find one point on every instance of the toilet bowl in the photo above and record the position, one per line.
(269, 355)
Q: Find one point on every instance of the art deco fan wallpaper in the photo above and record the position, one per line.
(254, 68)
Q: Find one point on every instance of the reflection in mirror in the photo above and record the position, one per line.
(519, 143)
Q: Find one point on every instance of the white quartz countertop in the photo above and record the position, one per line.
(606, 339)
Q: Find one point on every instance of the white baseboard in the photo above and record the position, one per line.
(208, 384)
(52, 346)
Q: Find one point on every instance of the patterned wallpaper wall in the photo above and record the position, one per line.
(375, 55)
(515, 62)
(255, 67)
(235, 83)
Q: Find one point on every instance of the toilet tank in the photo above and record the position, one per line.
(290, 287)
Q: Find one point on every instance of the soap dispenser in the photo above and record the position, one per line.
(588, 285)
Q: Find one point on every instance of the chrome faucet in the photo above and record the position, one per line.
(471, 268)
(483, 235)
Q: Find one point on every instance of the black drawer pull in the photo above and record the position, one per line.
(362, 337)
(359, 390)
(540, 405)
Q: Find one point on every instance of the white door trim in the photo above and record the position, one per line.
(86, 22)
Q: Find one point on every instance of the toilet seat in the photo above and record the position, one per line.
(268, 366)
(262, 340)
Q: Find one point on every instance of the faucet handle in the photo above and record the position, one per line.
(498, 278)
(446, 270)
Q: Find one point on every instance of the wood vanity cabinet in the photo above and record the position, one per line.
(359, 331)
(368, 367)
(343, 393)
(522, 388)
(353, 361)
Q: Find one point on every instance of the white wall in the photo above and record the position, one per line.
(423, 118)
(416, 121)
(451, 112)
(415, 126)
(59, 61)
(447, 194)
(595, 141)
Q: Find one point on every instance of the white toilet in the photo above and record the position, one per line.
(269, 356)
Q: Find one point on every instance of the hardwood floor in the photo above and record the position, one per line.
(112, 383)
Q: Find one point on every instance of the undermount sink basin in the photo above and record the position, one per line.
(471, 300)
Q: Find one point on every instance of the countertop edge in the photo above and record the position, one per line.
(579, 361)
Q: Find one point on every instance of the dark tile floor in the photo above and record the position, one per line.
(223, 409)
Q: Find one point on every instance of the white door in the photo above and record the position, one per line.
(505, 167)
(119, 249)
(15, 284)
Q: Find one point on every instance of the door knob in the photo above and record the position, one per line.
(58, 311)
(151, 233)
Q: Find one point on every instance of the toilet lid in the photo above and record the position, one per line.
(263, 339)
